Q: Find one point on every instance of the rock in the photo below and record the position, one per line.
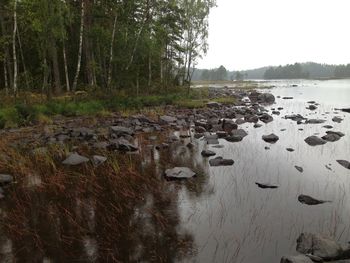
(276, 112)
(266, 118)
(267, 148)
(328, 126)
(190, 145)
(287, 98)
(200, 129)
(257, 125)
(319, 246)
(332, 137)
(100, 145)
(300, 169)
(271, 138)
(75, 159)
(340, 134)
(346, 110)
(290, 149)
(234, 138)
(314, 121)
(221, 134)
(266, 186)
(344, 163)
(296, 259)
(211, 138)
(219, 161)
(214, 105)
(308, 200)
(240, 132)
(314, 140)
(266, 98)
(228, 125)
(240, 121)
(123, 145)
(5, 179)
(218, 146)
(121, 131)
(167, 119)
(185, 134)
(207, 153)
(179, 173)
(312, 107)
(98, 159)
(337, 119)
(311, 102)
(251, 118)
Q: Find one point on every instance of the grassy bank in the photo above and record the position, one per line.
(33, 109)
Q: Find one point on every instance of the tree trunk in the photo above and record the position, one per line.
(56, 70)
(14, 49)
(109, 79)
(135, 46)
(88, 46)
(65, 67)
(5, 77)
(23, 61)
(80, 46)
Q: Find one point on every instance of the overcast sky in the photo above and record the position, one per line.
(245, 34)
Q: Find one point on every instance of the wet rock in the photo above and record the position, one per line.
(346, 110)
(179, 173)
(340, 134)
(162, 146)
(300, 169)
(280, 108)
(295, 117)
(200, 129)
(5, 179)
(312, 107)
(266, 186)
(228, 125)
(314, 141)
(75, 159)
(266, 98)
(337, 119)
(251, 118)
(311, 102)
(190, 145)
(271, 138)
(290, 149)
(344, 163)
(319, 246)
(121, 131)
(314, 121)
(287, 98)
(276, 112)
(214, 105)
(266, 118)
(207, 153)
(167, 119)
(240, 132)
(98, 159)
(234, 138)
(296, 259)
(267, 148)
(240, 121)
(218, 146)
(308, 200)
(328, 126)
(185, 134)
(219, 161)
(332, 137)
(221, 134)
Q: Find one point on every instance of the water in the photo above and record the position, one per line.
(218, 216)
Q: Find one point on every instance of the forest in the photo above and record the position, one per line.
(132, 46)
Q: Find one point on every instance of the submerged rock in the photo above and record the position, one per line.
(308, 200)
(219, 161)
(271, 138)
(344, 163)
(337, 119)
(314, 140)
(319, 246)
(179, 173)
(300, 169)
(296, 259)
(75, 159)
(266, 186)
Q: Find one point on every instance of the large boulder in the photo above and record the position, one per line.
(331, 137)
(266, 118)
(122, 145)
(320, 246)
(179, 173)
(207, 153)
(167, 119)
(344, 163)
(314, 140)
(121, 131)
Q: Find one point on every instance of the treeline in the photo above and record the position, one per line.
(309, 70)
(53, 46)
(219, 73)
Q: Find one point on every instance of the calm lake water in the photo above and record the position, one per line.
(218, 216)
(235, 221)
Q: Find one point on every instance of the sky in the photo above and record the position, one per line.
(247, 34)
